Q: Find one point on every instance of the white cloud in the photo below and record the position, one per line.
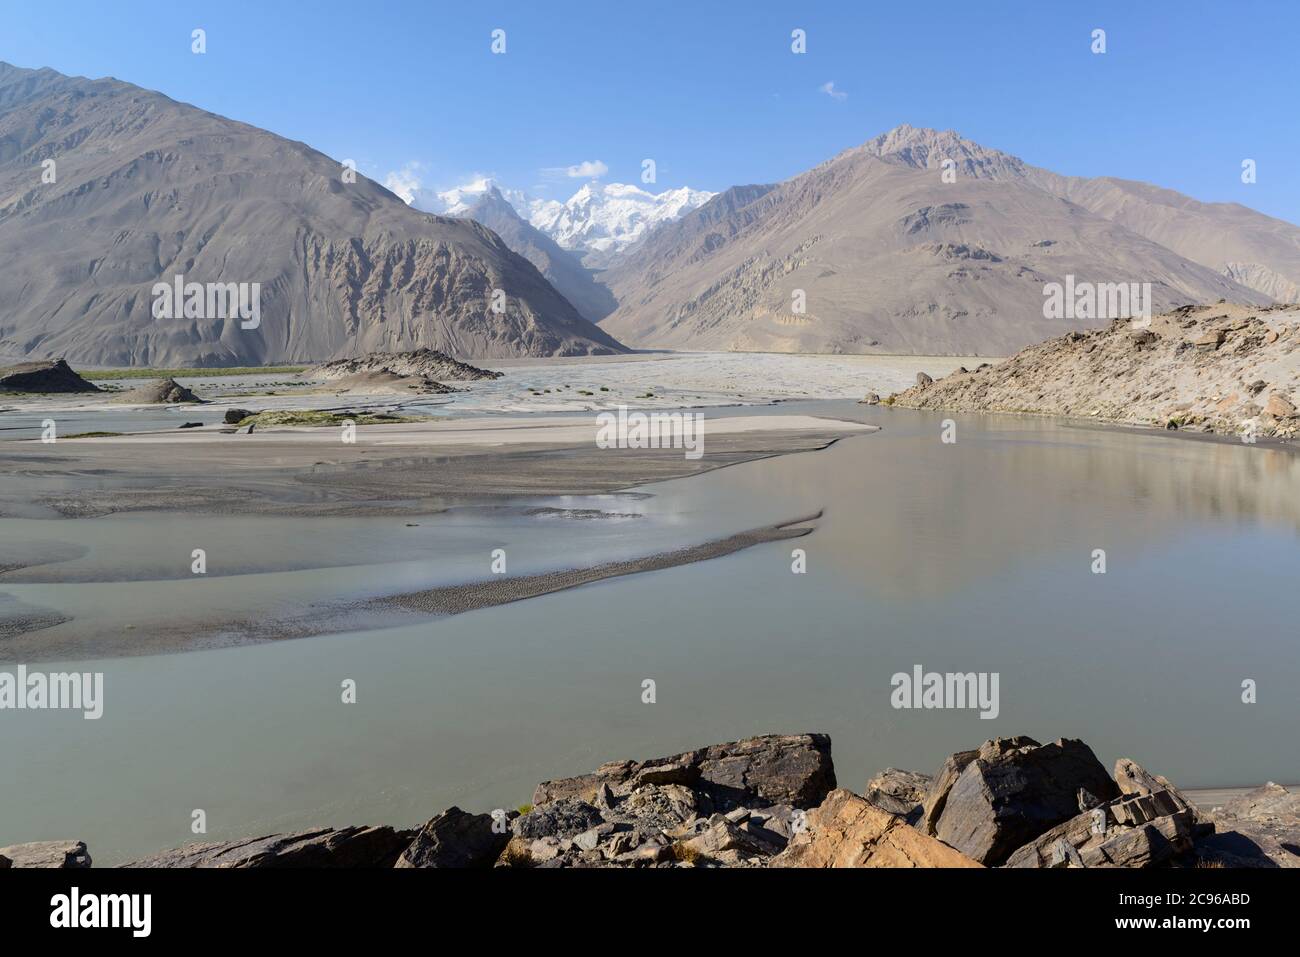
(405, 182)
(829, 89)
(587, 169)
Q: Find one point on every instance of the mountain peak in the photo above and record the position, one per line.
(924, 148)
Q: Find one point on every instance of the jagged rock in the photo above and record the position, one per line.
(793, 769)
(1132, 778)
(47, 854)
(1137, 829)
(899, 792)
(937, 796)
(455, 838)
(563, 818)
(235, 416)
(846, 831)
(923, 380)
(52, 375)
(322, 847)
(871, 398)
(725, 842)
(1258, 829)
(1012, 791)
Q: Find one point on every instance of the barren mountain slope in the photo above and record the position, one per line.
(890, 258)
(147, 189)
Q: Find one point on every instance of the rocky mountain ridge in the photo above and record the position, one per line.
(107, 189)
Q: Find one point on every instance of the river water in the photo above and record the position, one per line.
(971, 556)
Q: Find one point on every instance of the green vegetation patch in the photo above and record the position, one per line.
(312, 417)
(192, 373)
(92, 435)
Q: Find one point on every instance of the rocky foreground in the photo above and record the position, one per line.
(773, 801)
(1225, 369)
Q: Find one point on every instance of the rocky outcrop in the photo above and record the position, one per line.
(322, 847)
(1009, 792)
(421, 363)
(53, 375)
(1258, 829)
(1150, 824)
(847, 831)
(1223, 369)
(771, 769)
(162, 392)
(456, 839)
(47, 854)
(771, 801)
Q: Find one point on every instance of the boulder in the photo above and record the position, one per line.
(1210, 341)
(1012, 791)
(899, 792)
(458, 839)
(1132, 778)
(47, 854)
(794, 769)
(871, 398)
(1146, 829)
(937, 795)
(563, 818)
(1280, 406)
(923, 380)
(235, 416)
(321, 847)
(846, 831)
(1258, 829)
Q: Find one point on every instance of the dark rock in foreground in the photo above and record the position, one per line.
(772, 769)
(52, 375)
(771, 801)
(323, 847)
(1011, 791)
(455, 838)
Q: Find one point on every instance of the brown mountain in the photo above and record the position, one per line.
(146, 188)
(892, 258)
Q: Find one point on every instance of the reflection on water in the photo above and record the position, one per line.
(967, 557)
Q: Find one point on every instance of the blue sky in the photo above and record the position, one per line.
(711, 90)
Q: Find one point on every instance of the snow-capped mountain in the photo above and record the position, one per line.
(595, 223)
(600, 221)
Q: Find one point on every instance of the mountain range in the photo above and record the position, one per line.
(891, 255)
(918, 241)
(140, 189)
(597, 223)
